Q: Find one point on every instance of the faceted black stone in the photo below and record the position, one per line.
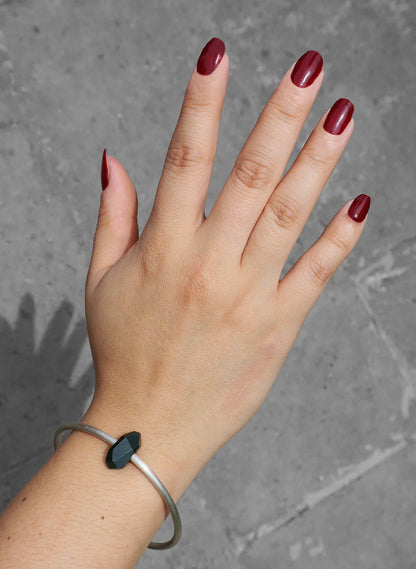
(122, 450)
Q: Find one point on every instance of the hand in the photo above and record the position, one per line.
(190, 323)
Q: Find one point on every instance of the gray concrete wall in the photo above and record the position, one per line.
(336, 437)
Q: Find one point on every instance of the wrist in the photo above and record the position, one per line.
(169, 458)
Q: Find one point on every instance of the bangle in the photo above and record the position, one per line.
(121, 452)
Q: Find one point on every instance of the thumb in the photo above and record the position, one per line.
(117, 228)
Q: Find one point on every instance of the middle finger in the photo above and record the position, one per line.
(263, 158)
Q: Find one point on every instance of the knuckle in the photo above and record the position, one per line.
(119, 222)
(153, 259)
(284, 212)
(195, 99)
(318, 157)
(286, 110)
(184, 156)
(252, 173)
(200, 286)
(341, 242)
(319, 271)
(104, 218)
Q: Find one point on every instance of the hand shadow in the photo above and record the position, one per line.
(35, 392)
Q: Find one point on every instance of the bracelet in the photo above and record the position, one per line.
(121, 452)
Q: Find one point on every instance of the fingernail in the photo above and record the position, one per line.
(104, 171)
(210, 56)
(339, 116)
(359, 208)
(307, 69)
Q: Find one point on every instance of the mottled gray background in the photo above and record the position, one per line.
(324, 475)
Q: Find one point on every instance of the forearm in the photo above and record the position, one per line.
(76, 512)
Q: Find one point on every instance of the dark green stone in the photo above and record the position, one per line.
(122, 450)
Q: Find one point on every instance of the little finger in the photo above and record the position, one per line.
(305, 281)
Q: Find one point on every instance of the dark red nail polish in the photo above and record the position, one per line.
(359, 208)
(339, 116)
(104, 171)
(210, 56)
(307, 69)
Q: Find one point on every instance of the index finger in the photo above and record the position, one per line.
(187, 170)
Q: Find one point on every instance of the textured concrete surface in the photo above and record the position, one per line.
(324, 475)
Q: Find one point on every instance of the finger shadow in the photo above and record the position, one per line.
(36, 395)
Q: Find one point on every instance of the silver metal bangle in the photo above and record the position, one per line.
(141, 466)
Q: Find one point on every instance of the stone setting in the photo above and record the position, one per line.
(120, 453)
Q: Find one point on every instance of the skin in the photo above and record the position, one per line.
(191, 320)
(189, 323)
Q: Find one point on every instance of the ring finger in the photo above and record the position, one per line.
(291, 203)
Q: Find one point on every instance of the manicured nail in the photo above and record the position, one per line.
(359, 208)
(104, 171)
(307, 69)
(339, 116)
(210, 56)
